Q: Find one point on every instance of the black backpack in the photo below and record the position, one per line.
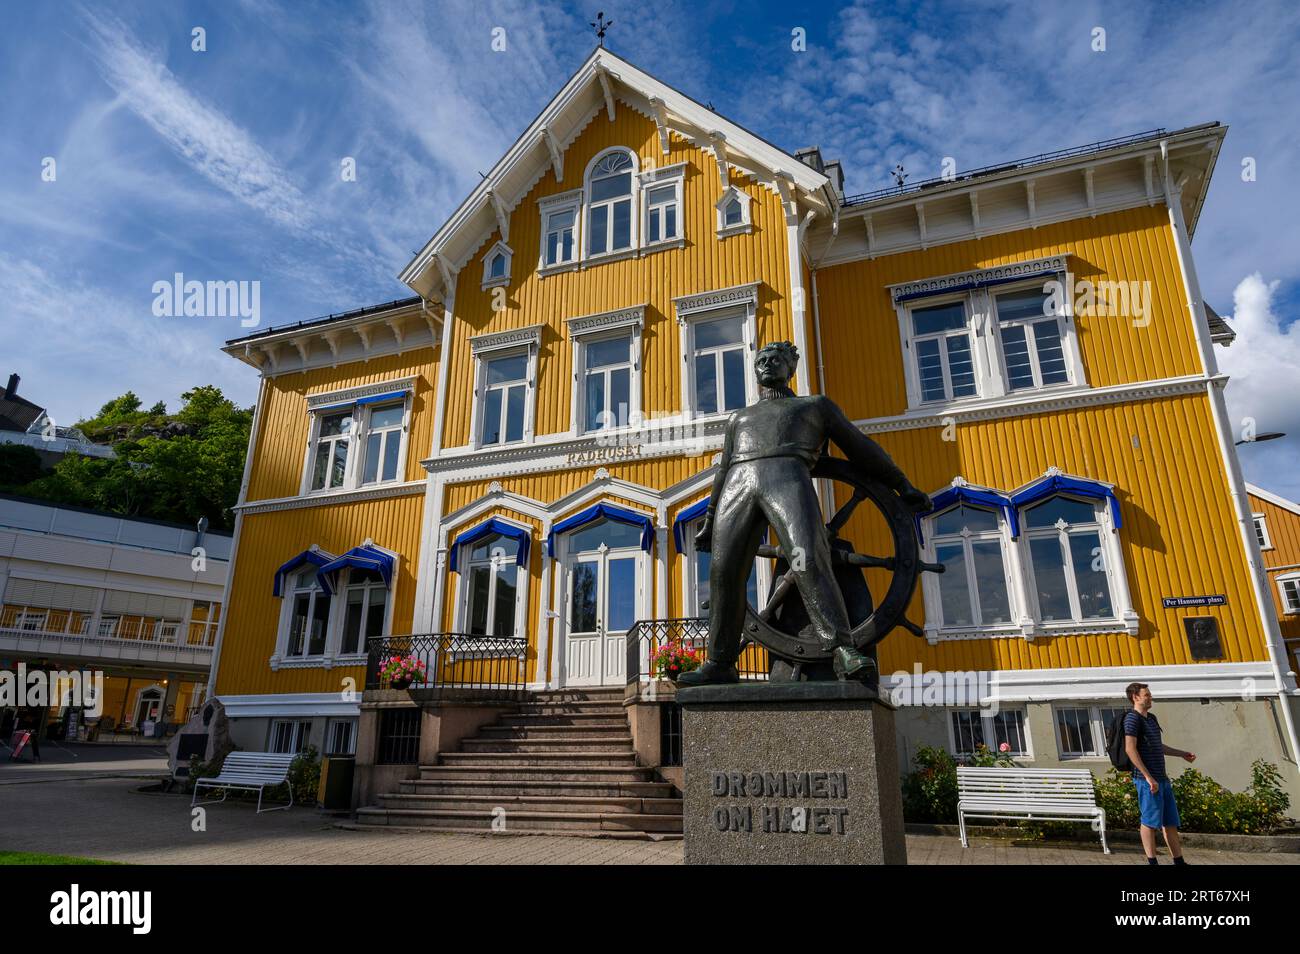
(1115, 743)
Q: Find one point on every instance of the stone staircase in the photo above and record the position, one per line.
(561, 762)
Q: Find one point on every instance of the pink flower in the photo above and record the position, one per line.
(1004, 747)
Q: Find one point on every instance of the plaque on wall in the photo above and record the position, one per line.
(1203, 637)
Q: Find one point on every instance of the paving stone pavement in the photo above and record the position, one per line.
(106, 818)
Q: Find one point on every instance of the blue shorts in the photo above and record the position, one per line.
(1158, 810)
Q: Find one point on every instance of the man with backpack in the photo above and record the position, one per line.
(1136, 744)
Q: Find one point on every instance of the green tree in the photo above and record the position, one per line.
(169, 467)
(19, 465)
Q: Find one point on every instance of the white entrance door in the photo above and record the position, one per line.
(604, 602)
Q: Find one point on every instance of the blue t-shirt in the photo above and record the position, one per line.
(1150, 747)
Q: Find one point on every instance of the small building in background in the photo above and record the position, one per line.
(1277, 528)
(138, 600)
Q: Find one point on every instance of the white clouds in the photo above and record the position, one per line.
(216, 147)
(1264, 390)
(77, 345)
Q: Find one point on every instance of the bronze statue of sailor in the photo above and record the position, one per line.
(765, 478)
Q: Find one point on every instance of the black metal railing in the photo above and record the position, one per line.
(647, 636)
(460, 664)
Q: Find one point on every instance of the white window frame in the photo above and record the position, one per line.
(486, 388)
(464, 590)
(634, 208)
(1028, 622)
(334, 636)
(1096, 727)
(1123, 617)
(334, 622)
(706, 306)
(931, 595)
(625, 322)
(1261, 531)
(1064, 325)
(288, 601)
(504, 344)
(1289, 607)
(547, 206)
(506, 252)
(330, 726)
(299, 738)
(652, 179)
(402, 431)
(990, 733)
(985, 330)
(321, 406)
(746, 224)
(313, 444)
(913, 358)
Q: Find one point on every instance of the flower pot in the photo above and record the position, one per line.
(401, 682)
(672, 672)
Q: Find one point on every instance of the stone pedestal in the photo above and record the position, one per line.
(790, 773)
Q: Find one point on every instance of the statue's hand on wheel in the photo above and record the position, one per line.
(704, 539)
(917, 500)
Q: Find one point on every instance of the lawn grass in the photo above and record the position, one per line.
(37, 858)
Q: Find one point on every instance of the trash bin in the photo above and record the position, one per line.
(335, 791)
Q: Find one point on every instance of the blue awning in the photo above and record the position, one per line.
(693, 512)
(371, 399)
(608, 512)
(314, 556)
(360, 558)
(974, 496)
(978, 283)
(487, 529)
(1064, 484)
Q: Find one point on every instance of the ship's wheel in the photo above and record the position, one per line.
(782, 624)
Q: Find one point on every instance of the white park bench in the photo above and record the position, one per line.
(252, 771)
(1031, 794)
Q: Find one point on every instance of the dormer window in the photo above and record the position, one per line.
(733, 213)
(610, 208)
(560, 217)
(496, 265)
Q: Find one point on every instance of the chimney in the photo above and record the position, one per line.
(11, 390)
(812, 156)
(835, 172)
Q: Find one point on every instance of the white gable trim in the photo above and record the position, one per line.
(539, 147)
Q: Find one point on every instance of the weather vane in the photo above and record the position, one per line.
(601, 25)
(900, 176)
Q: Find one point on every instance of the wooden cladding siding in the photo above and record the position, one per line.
(266, 541)
(1179, 535)
(703, 264)
(285, 424)
(1283, 557)
(859, 323)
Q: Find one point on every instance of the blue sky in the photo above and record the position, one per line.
(224, 164)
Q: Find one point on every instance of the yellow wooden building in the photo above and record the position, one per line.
(1277, 530)
(522, 450)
